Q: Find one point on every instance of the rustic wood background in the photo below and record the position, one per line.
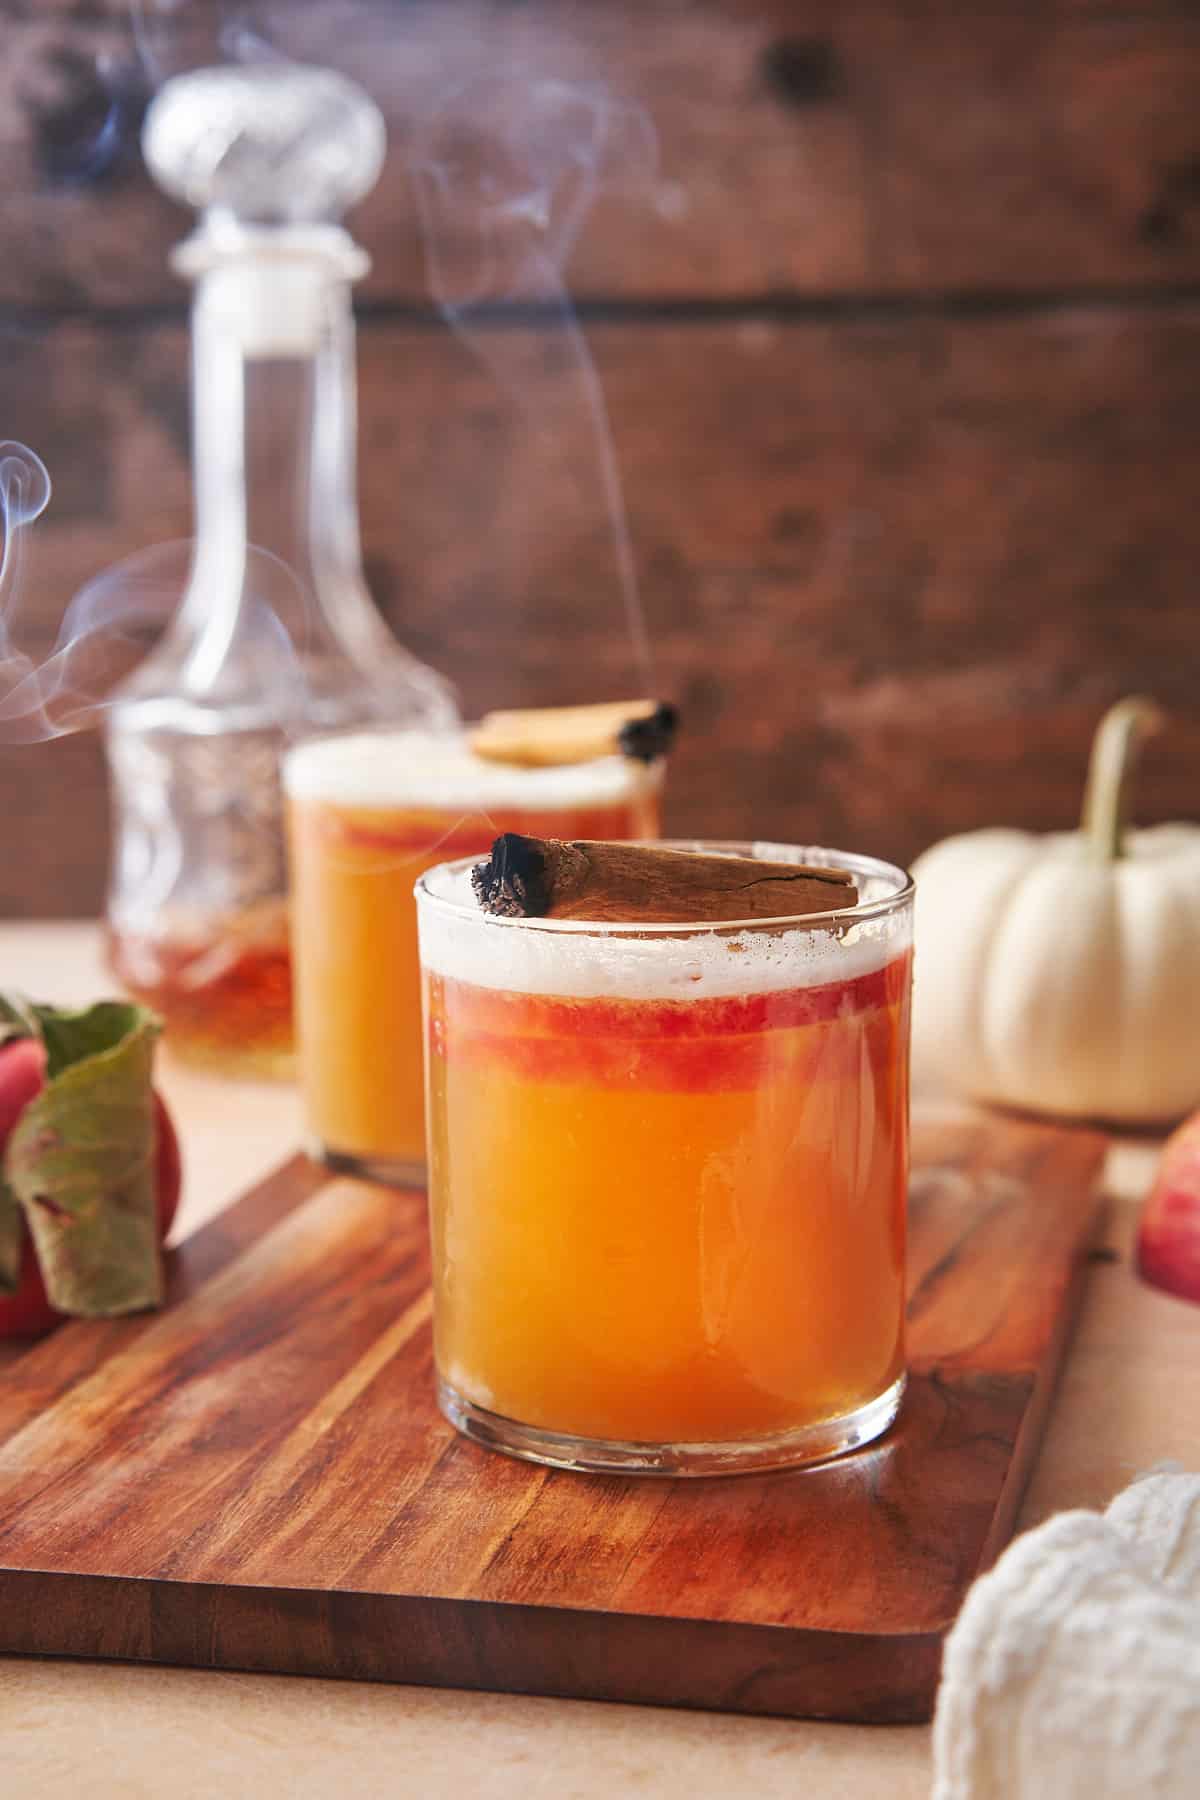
(901, 345)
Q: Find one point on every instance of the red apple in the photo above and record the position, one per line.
(1168, 1240)
(28, 1312)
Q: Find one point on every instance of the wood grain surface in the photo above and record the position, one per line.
(257, 1478)
(893, 574)
(803, 147)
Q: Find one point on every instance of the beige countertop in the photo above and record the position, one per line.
(1129, 1398)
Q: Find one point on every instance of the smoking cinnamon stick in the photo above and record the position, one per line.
(546, 878)
(549, 736)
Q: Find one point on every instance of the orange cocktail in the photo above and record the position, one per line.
(667, 1180)
(367, 814)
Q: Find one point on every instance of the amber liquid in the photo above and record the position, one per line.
(670, 1222)
(358, 983)
(225, 999)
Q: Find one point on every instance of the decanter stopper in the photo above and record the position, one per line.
(271, 143)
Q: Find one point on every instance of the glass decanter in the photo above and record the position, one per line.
(276, 636)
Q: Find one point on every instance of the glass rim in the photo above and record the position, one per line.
(836, 916)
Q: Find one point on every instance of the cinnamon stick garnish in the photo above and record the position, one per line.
(547, 878)
(549, 736)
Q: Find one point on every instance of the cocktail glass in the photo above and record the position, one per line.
(367, 813)
(667, 1177)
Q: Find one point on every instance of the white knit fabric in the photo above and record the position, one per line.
(1073, 1671)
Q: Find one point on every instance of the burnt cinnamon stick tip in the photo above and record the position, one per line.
(513, 882)
(547, 878)
(648, 738)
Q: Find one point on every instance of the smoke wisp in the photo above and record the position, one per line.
(506, 172)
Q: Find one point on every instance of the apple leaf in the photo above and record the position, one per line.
(17, 1018)
(10, 1240)
(81, 1161)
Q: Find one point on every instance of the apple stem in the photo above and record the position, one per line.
(1115, 747)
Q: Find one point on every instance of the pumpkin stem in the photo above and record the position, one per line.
(1119, 737)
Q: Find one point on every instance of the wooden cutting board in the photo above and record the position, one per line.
(257, 1478)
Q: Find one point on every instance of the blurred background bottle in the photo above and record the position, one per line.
(275, 637)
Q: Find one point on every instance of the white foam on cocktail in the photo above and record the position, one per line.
(421, 769)
(565, 958)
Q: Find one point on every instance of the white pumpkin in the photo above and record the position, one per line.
(1061, 973)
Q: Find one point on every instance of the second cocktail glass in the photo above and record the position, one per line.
(367, 813)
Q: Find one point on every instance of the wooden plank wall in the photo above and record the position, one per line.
(901, 345)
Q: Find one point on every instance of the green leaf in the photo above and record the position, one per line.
(72, 1037)
(81, 1161)
(11, 1227)
(17, 1018)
